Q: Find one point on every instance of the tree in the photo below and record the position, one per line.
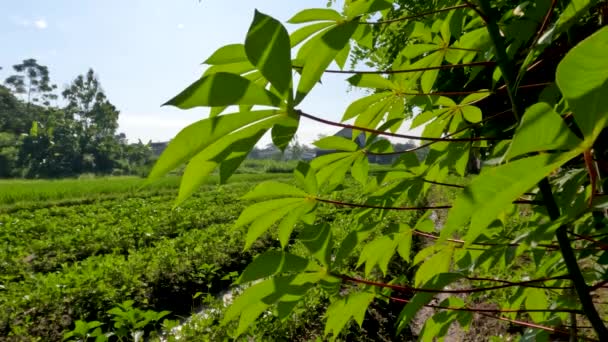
(521, 84)
(96, 120)
(32, 81)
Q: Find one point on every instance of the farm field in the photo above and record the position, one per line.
(74, 249)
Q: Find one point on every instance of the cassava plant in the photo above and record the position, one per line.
(522, 87)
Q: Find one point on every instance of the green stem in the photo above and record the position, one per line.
(582, 290)
(504, 63)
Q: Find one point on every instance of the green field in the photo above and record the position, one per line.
(73, 249)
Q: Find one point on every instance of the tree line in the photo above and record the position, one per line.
(41, 138)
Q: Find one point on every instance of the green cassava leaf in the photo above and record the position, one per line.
(415, 50)
(288, 223)
(492, 191)
(284, 130)
(342, 56)
(318, 240)
(223, 89)
(536, 299)
(360, 169)
(357, 8)
(199, 135)
(436, 264)
(475, 97)
(257, 298)
(420, 299)
(270, 263)
(257, 210)
(404, 248)
(229, 151)
(582, 76)
(322, 53)
(341, 311)
(268, 48)
(274, 189)
(336, 143)
(263, 222)
(315, 14)
(305, 178)
(228, 54)
(237, 68)
(301, 34)
(541, 129)
(371, 81)
(362, 104)
(428, 77)
(378, 252)
(471, 113)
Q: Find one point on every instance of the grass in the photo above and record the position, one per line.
(13, 192)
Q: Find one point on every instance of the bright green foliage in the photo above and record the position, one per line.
(341, 311)
(422, 298)
(271, 263)
(505, 141)
(268, 48)
(582, 76)
(223, 89)
(541, 129)
(322, 51)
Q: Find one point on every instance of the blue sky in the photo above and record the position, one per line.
(146, 51)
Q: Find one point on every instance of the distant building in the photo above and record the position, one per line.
(158, 147)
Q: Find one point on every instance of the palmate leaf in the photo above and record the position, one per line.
(371, 81)
(438, 326)
(322, 53)
(438, 263)
(284, 131)
(343, 310)
(237, 68)
(336, 143)
(541, 129)
(232, 53)
(492, 191)
(305, 178)
(261, 216)
(357, 8)
(223, 89)
(420, 299)
(273, 189)
(361, 105)
(257, 298)
(315, 14)
(381, 250)
(270, 263)
(301, 34)
(360, 169)
(227, 152)
(318, 240)
(582, 76)
(536, 299)
(305, 213)
(199, 135)
(268, 48)
(332, 168)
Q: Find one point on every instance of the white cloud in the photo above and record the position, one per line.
(41, 24)
(180, 26)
